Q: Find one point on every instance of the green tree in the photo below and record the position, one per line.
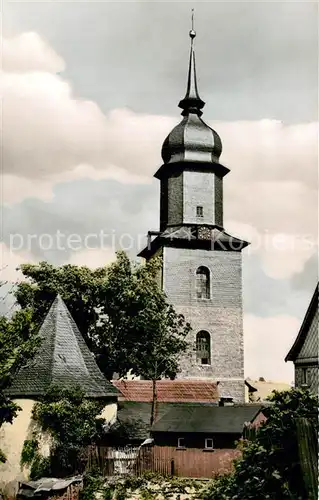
(270, 466)
(18, 342)
(80, 287)
(120, 310)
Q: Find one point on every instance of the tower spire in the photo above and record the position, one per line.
(192, 103)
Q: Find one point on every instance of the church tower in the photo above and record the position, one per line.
(202, 264)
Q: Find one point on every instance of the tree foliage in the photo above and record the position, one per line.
(121, 312)
(270, 465)
(139, 330)
(80, 287)
(18, 343)
(73, 423)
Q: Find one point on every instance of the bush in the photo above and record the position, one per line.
(270, 465)
(73, 424)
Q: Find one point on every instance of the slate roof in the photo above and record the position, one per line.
(140, 412)
(200, 236)
(169, 391)
(301, 337)
(213, 234)
(207, 419)
(63, 358)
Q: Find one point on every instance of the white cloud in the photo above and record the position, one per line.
(51, 136)
(16, 188)
(29, 52)
(287, 254)
(282, 254)
(269, 150)
(93, 258)
(10, 261)
(267, 342)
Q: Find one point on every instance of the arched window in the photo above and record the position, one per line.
(202, 283)
(203, 348)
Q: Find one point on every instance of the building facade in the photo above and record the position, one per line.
(304, 352)
(201, 263)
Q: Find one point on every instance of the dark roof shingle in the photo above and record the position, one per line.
(63, 358)
(140, 413)
(206, 418)
(309, 316)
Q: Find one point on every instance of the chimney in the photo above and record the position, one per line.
(226, 402)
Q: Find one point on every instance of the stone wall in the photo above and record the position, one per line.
(220, 315)
(12, 437)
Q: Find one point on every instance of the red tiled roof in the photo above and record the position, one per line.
(168, 391)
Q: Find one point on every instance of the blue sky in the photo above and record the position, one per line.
(90, 93)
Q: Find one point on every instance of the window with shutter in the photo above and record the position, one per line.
(202, 283)
(203, 348)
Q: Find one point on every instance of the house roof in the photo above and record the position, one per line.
(206, 419)
(310, 314)
(63, 358)
(169, 391)
(139, 413)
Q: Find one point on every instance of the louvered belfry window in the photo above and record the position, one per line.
(202, 283)
(203, 348)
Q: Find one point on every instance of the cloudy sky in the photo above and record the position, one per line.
(90, 91)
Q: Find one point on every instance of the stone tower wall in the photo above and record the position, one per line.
(220, 315)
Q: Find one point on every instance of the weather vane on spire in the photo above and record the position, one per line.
(192, 32)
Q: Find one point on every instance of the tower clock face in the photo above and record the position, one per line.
(204, 233)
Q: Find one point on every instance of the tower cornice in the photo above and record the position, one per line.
(178, 166)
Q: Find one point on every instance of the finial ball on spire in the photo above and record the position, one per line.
(192, 32)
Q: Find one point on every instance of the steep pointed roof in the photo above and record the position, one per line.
(63, 358)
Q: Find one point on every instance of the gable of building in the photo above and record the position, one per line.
(306, 343)
(309, 348)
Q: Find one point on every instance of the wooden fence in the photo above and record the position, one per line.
(191, 462)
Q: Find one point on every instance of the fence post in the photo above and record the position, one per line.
(308, 454)
(172, 467)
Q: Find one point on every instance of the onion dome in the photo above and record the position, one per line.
(192, 140)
